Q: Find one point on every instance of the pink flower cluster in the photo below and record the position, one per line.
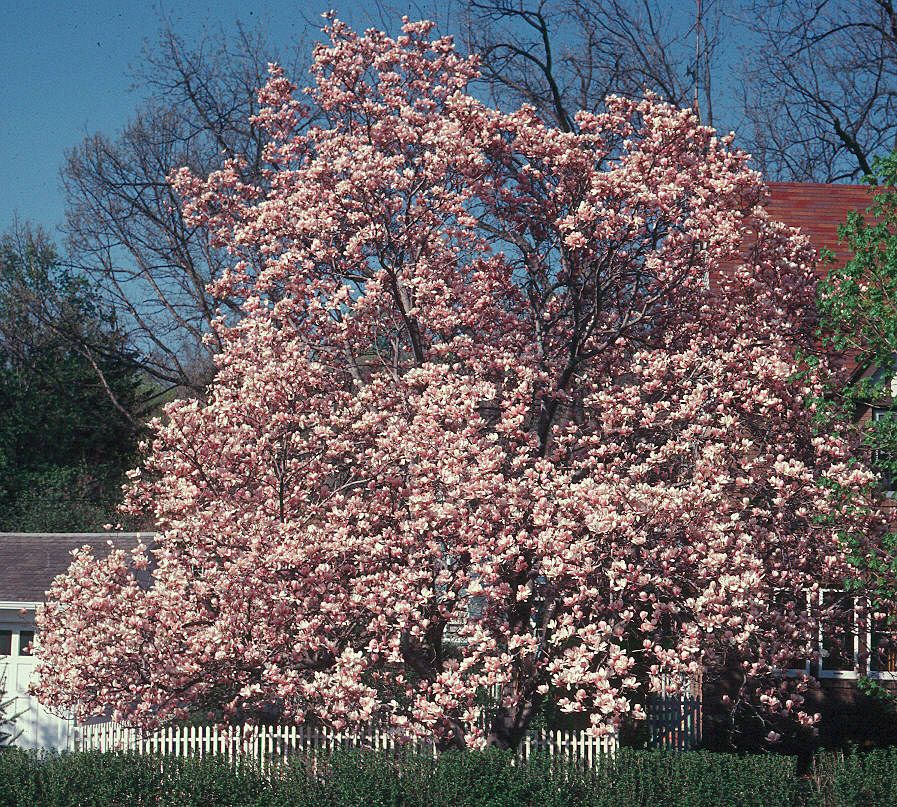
(485, 425)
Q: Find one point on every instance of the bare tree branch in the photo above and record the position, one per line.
(571, 54)
(124, 226)
(820, 104)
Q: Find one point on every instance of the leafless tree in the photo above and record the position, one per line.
(821, 91)
(124, 225)
(819, 104)
(565, 55)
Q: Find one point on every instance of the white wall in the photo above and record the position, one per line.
(40, 728)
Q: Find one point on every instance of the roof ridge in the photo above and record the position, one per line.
(109, 535)
(851, 185)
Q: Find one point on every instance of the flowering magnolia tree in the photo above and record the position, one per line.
(494, 421)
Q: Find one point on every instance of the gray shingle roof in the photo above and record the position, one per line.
(30, 561)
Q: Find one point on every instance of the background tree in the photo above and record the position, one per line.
(858, 317)
(124, 226)
(68, 391)
(821, 103)
(858, 312)
(818, 107)
(566, 55)
(479, 380)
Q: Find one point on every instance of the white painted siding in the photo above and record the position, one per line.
(39, 728)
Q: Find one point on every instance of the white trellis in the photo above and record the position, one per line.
(674, 714)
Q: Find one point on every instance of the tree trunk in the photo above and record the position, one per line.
(509, 724)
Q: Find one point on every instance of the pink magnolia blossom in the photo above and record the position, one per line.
(484, 425)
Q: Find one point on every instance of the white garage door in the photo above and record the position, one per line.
(39, 728)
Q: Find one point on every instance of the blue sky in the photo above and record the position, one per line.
(66, 72)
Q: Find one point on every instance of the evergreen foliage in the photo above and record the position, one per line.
(67, 384)
(857, 306)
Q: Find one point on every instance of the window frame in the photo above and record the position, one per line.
(16, 642)
(862, 646)
(796, 672)
(854, 673)
(878, 675)
(32, 642)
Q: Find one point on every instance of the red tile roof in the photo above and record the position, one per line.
(818, 210)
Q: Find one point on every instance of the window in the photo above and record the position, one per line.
(882, 646)
(5, 642)
(838, 635)
(26, 642)
(850, 630)
(885, 425)
(793, 608)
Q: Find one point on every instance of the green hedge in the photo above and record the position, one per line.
(491, 779)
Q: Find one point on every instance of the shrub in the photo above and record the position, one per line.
(489, 779)
(868, 778)
(701, 778)
(18, 778)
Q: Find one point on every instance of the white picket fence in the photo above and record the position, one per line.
(674, 723)
(272, 744)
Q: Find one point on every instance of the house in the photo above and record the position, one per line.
(848, 715)
(28, 564)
